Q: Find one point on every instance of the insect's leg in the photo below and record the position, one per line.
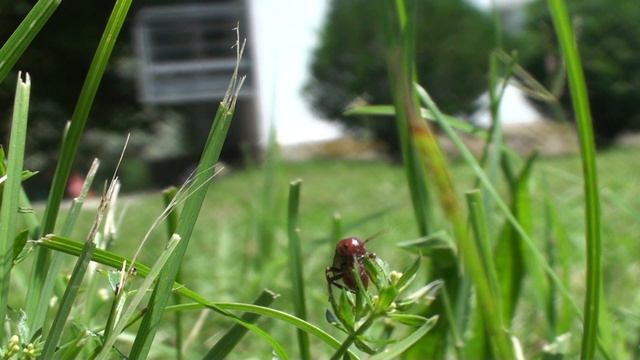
(333, 274)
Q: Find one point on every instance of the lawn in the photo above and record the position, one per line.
(224, 262)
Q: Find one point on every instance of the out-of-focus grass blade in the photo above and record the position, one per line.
(389, 110)
(69, 149)
(509, 252)
(266, 222)
(580, 101)
(189, 215)
(485, 279)
(562, 251)
(295, 266)
(225, 345)
(24, 34)
(12, 188)
(168, 195)
(73, 286)
(484, 180)
(394, 351)
(422, 155)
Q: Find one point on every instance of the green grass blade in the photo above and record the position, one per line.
(73, 286)
(484, 180)
(172, 222)
(562, 251)
(397, 349)
(266, 222)
(399, 45)
(57, 259)
(228, 342)
(70, 146)
(24, 34)
(188, 218)
(389, 110)
(579, 98)
(140, 293)
(116, 261)
(509, 252)
(484, 277)
(12, 188)
(295, 265)
(267, 312)
(422, 156)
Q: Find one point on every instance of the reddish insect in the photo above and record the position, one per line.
(350, 253)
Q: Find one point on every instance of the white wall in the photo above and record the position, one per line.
(284, 34)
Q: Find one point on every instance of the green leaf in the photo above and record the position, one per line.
(427, 292)
(344, 311)
(408, 275)
(397, 349)
(408, 319)
(19, 243)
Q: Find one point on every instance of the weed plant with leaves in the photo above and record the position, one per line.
(356, 311)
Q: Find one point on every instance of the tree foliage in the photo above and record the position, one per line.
(453, 44)
(609, 42)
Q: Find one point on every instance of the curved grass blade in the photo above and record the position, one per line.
(73, 286)
(141, 292)
(12, 188)
(24, 34)
(70, 147)
(389, 110)
(116, 261)
(225, 345)
(580, 101)
(295, 266)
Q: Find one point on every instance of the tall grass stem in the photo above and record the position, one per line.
(580, 101)
(295, 266)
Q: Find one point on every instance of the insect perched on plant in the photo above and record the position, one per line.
(350, 253)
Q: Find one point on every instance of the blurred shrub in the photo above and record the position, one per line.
(609, 42)
(453, 44)
(58, 60)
